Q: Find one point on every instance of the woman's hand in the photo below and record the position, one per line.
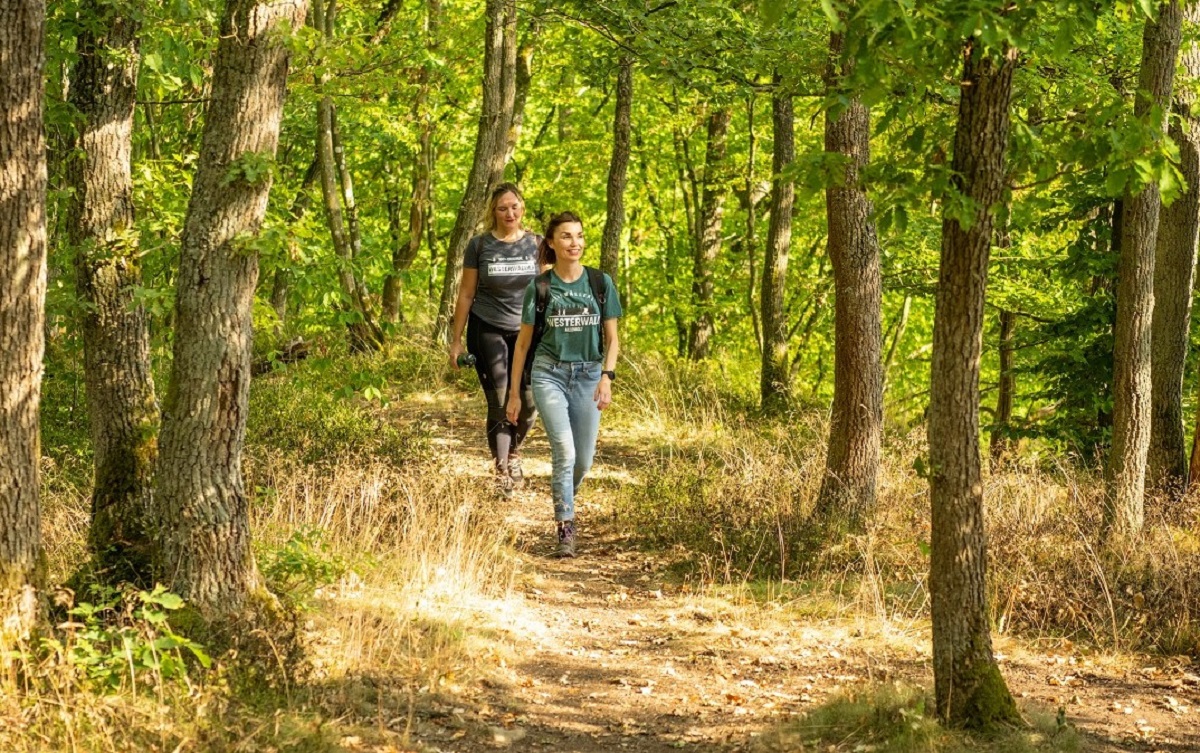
(514, 408)
(603, 394)
(456, 350)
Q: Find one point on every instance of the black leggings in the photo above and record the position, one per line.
(493, 350)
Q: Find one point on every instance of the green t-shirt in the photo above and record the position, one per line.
(572, 316)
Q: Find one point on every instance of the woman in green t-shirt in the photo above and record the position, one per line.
(574, 311)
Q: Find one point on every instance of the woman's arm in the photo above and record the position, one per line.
(612, 347)
(520, 351)
(466, 296)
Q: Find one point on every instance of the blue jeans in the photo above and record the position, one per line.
(564, 395)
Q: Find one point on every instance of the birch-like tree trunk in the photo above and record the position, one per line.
(405, 247)
(618, 172)
(1124, 511)
(847, 494)
(499, 96)
(708, 241)
(968, 687)
(203, 521)
(1174, 275)
(122, 408)
(775, 377)
(22, 307)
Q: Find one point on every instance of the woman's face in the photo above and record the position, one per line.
(568, 241)
(509, 211)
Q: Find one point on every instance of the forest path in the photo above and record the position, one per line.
(621, 655)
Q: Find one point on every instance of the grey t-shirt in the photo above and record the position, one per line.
(505, 270)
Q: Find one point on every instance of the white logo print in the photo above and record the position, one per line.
(512, 268)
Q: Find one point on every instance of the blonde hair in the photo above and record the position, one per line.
(497, 193)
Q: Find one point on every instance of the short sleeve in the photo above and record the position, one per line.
(529, 304)
(471, 257)
(612, 300)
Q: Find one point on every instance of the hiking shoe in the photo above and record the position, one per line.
(566, 538)
(504, 483)
(515, 472)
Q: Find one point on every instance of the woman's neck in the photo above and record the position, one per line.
(568, 271)
(508, 235)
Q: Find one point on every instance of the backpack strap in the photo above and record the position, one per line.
(541, 288)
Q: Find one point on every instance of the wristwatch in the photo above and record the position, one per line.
(612, 375)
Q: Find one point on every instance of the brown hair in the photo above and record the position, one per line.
(494, 199)
(546, 254)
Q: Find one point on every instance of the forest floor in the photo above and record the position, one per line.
(615, 651)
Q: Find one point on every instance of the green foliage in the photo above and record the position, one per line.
(327, 410)
(250, 168)
(898, 719)
(300, 566)
(124, 636)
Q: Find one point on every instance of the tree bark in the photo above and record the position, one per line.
(847, 494)
(282, 281)
(405, 249)
(775, 377)
(340, 209)
(1124, 511)
(1001, 439)
(523, 79)
(1174, 275)
(22, 305)
(122, 408)
(708, 241)
(202, 508)
(499, 95)
(618, 172)
(968, 687)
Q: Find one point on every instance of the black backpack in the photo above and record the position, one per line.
(542, 300)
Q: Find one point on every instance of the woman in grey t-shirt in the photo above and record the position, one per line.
(497, 268)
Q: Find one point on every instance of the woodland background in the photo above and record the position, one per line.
(802, 205)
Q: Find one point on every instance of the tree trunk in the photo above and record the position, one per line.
(122, 408)
(499, 95)
(202, 506)
(522, 81)
(618, 170)
(708, 241)
(22, 307)
(282, 281)
(1001, 439)
(341, 212)
(405, 249)
(1124, 510)
(968, 687)
(1174, 274)
(847, 494)
(775, 378)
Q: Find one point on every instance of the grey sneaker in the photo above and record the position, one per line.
(504, 482)
(515, 472)
(566, 538)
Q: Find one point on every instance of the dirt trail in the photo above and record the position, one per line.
(628, 659)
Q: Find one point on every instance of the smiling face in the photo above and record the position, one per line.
(508, 212)
(567, 241)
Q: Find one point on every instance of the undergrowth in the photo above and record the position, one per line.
(733, 492)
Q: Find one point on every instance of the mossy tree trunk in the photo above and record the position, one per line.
(618, 172)
(22, 306)
(968, 687)
(491, 142)
(406, 246)
(1124, 511)
(201, 505)
(122, 408)
(847, 494)
(1174, 275)
(775, 374)
(709, 220)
